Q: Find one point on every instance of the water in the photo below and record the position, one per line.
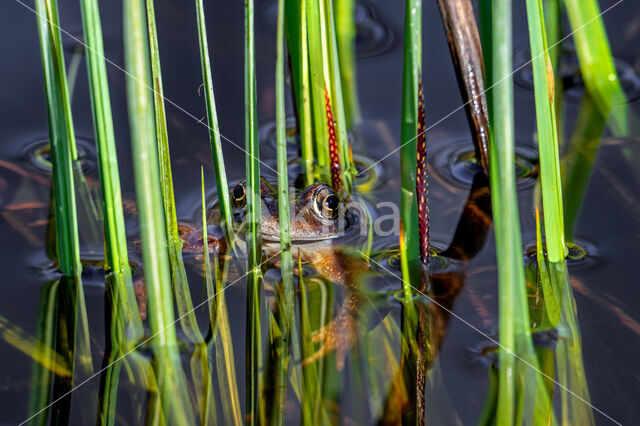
(607, 228)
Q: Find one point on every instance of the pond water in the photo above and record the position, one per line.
(607, 226)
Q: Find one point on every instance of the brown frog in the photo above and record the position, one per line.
(320, 226)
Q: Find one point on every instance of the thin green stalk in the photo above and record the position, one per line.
(208, 411)
(171, 381)
(126, 325)
(411, 354)
(178, 272)
(182, 294)
(318, 71)
(296, 32)
(553, 20)
(287, 306)
(74, 342)
(253, 236)
(409, 131)
(346, 41)
(596, 63)
(338, 101)
(61, 137)
(214, 133)
(517, 381)
(116, 256)
(547, 133)
(503, 196)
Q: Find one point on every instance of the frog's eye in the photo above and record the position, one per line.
(327, 203)
(239, 195)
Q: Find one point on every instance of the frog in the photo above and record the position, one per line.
(320, 224)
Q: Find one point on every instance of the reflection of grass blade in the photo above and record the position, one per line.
(214, 133)
(313, 411)
(254, 245)
(551, 293)
(596, 63)
(543, 80)
(36, 349)
(571, 374)
(41, 377)
(208, 410)
(171, 380)
(577, 164)
(220, 331)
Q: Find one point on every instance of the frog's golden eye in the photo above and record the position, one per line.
(239, 195)
(326, 203)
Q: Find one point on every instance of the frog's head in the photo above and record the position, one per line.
(317, 213)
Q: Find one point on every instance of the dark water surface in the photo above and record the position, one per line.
(608, 226)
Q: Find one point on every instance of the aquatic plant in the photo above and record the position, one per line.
(170, 376)
(320, 36)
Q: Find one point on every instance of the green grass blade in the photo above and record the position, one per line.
(172, 386)
(412, 355)
(178, 272)
(507, 227)
(253, 216)
(61, 137)
(518, 378)
(116, 256)
(547, 133)
(182, 294)
(347, 169)
(296, 32)
(214, 133)
(346, 40)
(75, 341)
(318, 70)
(596, 63)
(287, 301)
(409, 130)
